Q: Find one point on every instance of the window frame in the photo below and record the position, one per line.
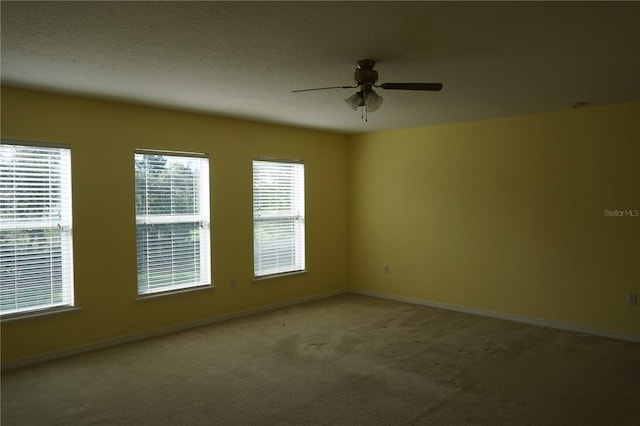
(64, 224)
(203, 216)
(298, 266)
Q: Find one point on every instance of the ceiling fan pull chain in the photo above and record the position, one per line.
(364, 107)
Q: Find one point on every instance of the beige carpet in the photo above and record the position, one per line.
(346, 360)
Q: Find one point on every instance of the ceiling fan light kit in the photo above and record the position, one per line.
(366, 78)
(371, 101)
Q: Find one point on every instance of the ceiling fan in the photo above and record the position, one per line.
(366, 78)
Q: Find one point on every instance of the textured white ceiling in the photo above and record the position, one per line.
(243, 59)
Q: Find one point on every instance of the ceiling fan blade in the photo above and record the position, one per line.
(433, 87)
(325, 88)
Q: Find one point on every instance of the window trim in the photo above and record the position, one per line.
(180, 219)
(54, 310)
(304, 270)
(43, 144)
(69, 277)
(259, 278)
(192, 154)
(161, 294)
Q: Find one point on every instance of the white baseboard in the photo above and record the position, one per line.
(505, 316)
(49, 356)
(76, 350)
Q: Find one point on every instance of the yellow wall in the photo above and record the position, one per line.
(103, 136)
(504, 215)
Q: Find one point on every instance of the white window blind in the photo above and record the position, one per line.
(36, 264)
(172, 221)
(278, 217)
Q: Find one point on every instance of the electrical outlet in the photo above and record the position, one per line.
(233, 283)
(632, 298)
(386, 269)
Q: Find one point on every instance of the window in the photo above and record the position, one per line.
(36, 264)
(278, 217)
(172, 221)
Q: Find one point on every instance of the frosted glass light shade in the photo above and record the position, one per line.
(356, 100)
(373, 101)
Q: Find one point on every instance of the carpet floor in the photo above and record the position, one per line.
(344, 360)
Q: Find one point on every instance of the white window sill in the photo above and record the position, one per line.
(280, 275)
(39, 313)
(173, 292)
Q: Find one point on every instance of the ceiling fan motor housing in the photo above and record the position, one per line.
(365, 76)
